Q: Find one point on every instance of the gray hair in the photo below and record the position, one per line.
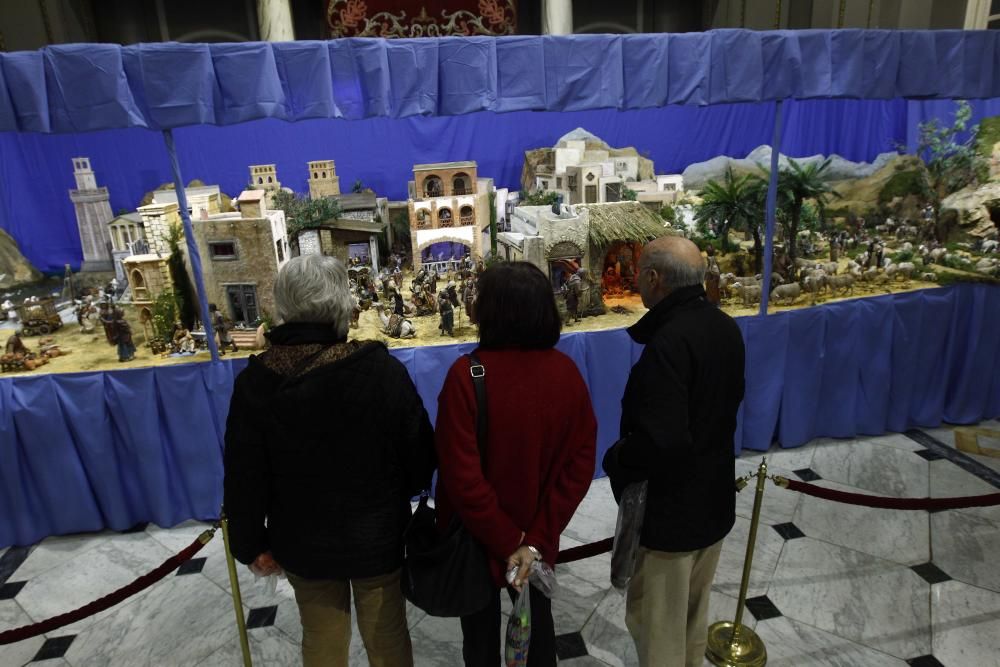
(314, 288)
(677, 271)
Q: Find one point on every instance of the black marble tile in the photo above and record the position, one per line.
(962, 460)
(762, 608)
(10, 590)
(929, 455)
(11, 560)
(262, 617)
(925, 661)
(931, 573)
(54, 647)
(570, 645)
(807, 474)
(193, 566)
(788, 531)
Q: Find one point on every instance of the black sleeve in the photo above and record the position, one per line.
(245, 486)
(415, 436)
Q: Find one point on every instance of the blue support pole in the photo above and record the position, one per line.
(192, 248)
(772, 199)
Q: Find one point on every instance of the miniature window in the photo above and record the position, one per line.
(222, 251)
(270, 180)
(260, 181)
(433, 187)
(572, 182)
(315, 175)
(465, 216)
(421, 219)
(280, 250)
(444, 217)
(590, 176)
(559, 182)
(324, 174)
(460, 185)
(545, 185)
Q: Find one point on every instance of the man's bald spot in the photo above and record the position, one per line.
(659, 254)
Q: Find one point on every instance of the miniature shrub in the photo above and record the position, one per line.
(989, 134)
(164, 315)
(901, 184)
(539, 198)
(903, 256)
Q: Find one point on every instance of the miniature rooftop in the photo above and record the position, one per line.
(622, 221)
(133, 217)
(251, 195)
(356, 201)
(444, 165)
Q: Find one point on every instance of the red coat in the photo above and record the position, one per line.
(540, 454)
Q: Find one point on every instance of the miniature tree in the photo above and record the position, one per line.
(726, 205)
(184, 293)
(795, 185)
(304, 213)
(952, 163)
(628, 194)
(541, 198)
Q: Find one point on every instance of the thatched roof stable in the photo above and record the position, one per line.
(623, 221)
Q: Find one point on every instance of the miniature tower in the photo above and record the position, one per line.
(93, 213)
(323, 181)
(264, 177)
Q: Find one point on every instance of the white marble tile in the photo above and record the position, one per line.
(945, 434)
(793, 644)
(182, 621)
(794, 458)
(97, 571)
(897, 440)
(582, 585)
(596, 516)
(948, 480)
(12, 616)
(180, 536)
(900, 536)
(967, 547)
(966, 624)
(437, 642)
(853, 595)
(778, 505)
(887, 471)
(765, 559)
(54, 551)
(268, 646)
(609, 641)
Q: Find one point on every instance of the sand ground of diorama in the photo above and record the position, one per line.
(91, 352)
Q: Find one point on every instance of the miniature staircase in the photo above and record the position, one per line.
(245, 339)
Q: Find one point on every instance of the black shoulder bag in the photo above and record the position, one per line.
(449, 574)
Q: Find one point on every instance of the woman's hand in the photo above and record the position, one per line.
(522, 559)
(265, 565)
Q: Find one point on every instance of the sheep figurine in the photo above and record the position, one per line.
(788, 293)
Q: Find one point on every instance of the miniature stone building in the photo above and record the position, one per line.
(157, 221)
(352, 237)
(93, 213)
(128, 237)
(241, 255)
(148, 276)
(323, 180)
(264, 177)
(449, 210)
(203, 200)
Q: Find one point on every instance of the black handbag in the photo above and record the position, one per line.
(449, 574)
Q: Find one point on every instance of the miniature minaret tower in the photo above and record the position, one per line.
(323, 181)
(93, 213)
(264, 177)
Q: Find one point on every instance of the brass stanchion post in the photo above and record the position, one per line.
(734, 644)
(234, 583)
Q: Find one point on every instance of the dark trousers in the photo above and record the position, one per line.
(481, 633)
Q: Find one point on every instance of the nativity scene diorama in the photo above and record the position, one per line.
(583, 214)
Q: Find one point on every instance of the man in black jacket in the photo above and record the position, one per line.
(678, 420)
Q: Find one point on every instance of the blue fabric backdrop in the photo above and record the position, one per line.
(36, 173)
(109, 450)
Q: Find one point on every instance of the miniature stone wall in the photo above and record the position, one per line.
(255, 262)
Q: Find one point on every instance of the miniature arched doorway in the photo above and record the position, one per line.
(444, 218)
(138, 283)
(433, 187)
(146, 320)
(565, 258)
(619, 269)
(466, 217)
(461, 184)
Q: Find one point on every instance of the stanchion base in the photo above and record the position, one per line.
(749, 650)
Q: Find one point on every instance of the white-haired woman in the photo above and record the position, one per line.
(326, 442)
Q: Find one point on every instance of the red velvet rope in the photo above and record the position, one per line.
(100, 604)
(585, 551)
(882, 502)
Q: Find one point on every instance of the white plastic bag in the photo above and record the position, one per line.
(625, 553)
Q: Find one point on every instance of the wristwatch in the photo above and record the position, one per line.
(534, 552)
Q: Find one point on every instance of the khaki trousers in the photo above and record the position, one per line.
(666, 610)
(325, 610)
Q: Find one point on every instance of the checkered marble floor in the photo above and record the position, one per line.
(832, 585)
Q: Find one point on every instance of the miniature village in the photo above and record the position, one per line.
(582, 215)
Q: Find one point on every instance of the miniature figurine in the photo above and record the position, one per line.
(183, 341)
(397, 301)
(713, 279)
(123, 337)
(222, 330)
(16, 346)
(107, 317)
(469, 296)
(395, 326)
(834, 249)
(447, 310)
(571, 291)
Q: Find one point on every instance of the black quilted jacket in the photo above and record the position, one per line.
(320, 469)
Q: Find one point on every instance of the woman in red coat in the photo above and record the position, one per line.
(540, 452)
